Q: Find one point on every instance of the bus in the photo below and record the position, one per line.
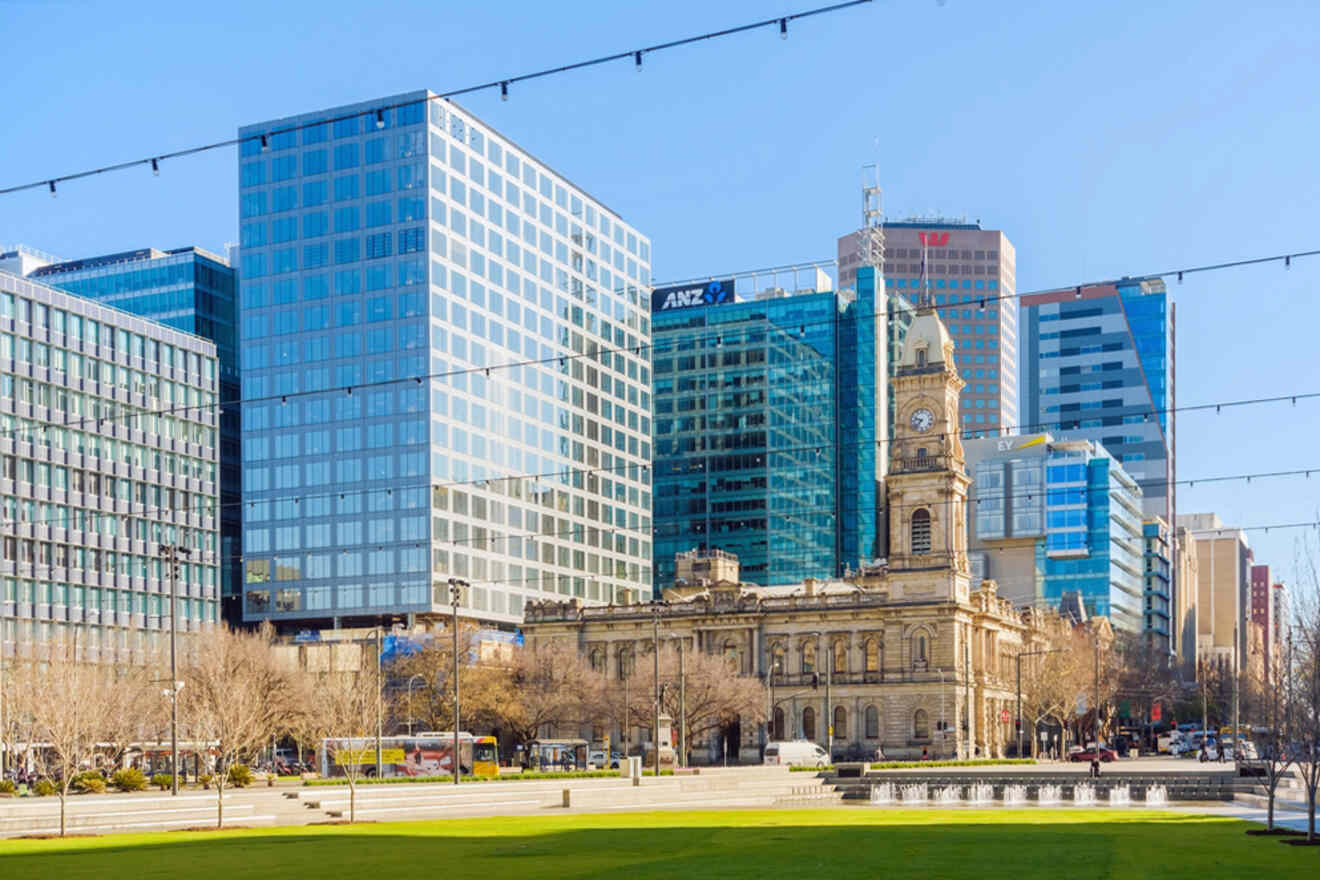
(429, 753)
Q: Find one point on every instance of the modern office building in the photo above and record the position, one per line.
(191, 290)
(445, 372)
(1158, 629)
(968, 268)
(1098, 364)
(1223, 579)
(772, 419)
(108, 452)
(1053, 518)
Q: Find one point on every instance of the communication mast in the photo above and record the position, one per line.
(871, 237)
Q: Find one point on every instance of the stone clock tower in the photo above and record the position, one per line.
(927, 482)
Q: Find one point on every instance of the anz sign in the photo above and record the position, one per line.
(706, 293)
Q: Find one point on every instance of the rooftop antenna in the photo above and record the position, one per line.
(871, 244)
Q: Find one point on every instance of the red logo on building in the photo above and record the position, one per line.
(934, 239)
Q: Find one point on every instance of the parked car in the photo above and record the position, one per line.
(596, 757)
(795, 753)
(1090, 753)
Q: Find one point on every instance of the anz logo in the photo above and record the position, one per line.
(712, 293)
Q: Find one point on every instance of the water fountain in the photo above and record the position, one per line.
(1084, 795)
(948, 795)
(1049, 794)
(883, 793)
(981, 793)
(916, 793)
(1120, 796)
(1015, 795)
(1157, 796)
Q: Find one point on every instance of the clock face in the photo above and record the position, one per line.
(923, 420)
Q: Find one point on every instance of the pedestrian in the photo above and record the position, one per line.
(925, 755)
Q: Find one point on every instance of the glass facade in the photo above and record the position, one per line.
(767, 442)
(108, 449)
(1159, 583)
(194, 291)
(446, 372)
(1053, 518)
(1100, 366)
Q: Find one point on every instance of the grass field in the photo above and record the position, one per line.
(826, 843)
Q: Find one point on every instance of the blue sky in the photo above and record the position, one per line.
(1104, 139)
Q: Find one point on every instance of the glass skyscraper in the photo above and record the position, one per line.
(191, 290)
(108, 450)
(1053, 518)
(445, 372)
(1099, 365)
(771, 427)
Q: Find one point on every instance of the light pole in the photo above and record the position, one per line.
(171, 553)
(1019, 692)
(655, 656)
(410, 711)
(682, 708)
(770, 722)
(455, 595)
(380, 687)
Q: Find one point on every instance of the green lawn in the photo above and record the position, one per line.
(859, 842)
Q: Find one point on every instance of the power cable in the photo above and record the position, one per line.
(634, 55)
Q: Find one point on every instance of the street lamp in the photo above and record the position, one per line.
(455, 595)
(656, 610)
(410, 711)
(1018, 660)
(171, 553)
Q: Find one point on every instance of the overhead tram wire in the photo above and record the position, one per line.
(713, 340)
(500, 85)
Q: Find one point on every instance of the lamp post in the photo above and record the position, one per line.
(655, 656)
(410, 711)
(770, 721)
(380, 687)
(455, 596)
(1018, 659)
(171, 553)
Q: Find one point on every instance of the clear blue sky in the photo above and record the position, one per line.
(1104, 138)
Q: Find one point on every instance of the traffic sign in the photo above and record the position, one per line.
(1004, 716)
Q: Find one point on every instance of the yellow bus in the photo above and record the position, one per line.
(429, 753)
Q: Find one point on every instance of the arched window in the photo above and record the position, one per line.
(778, 660)
(778, 732)
(732, 656)
(841, 723)
(597, 660)
(808, 658)
(921, 532)
(872, 722)
(921, 357)
(921, 725)
(625, 664)
(872, 655)
(840, 657)
(809, 723)
(919, 655)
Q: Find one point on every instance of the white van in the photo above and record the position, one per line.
(795, 753)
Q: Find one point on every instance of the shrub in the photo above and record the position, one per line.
(88, 782)
(240, 776)
(44, 788)
(207, 780)
(129, 779)
(163, 781)
(7, 786)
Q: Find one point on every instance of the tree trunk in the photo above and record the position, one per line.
(64, 794)
(1269, 815)
(219, 802)
(352, 802)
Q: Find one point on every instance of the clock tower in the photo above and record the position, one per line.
(927, 482)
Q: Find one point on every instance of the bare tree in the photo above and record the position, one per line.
(338, 710)
(710, 689)
(1272, 702)
(547, 683)
(68, 702)
(429, 701)
(1047, 692)
(1304, 671)
(235, 696)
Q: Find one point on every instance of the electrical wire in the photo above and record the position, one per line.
(502, 84)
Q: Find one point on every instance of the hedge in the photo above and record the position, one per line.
(907, 765)
(528, 776)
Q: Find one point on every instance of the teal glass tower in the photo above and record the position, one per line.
(771, 424)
